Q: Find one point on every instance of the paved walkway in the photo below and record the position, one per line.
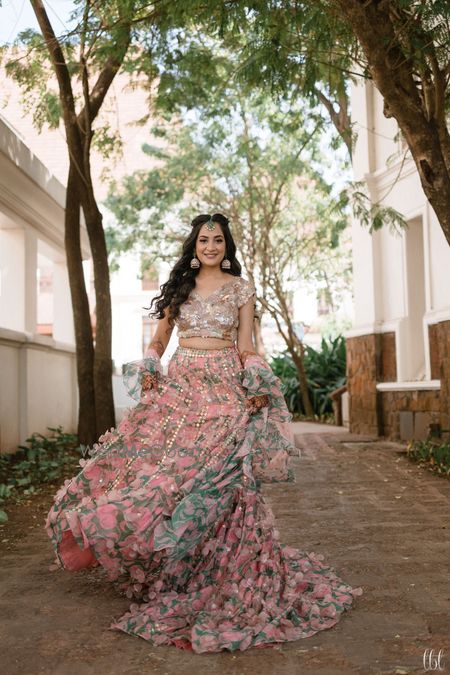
(377, 518)
(300, 428)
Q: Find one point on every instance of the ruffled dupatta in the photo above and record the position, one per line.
(133, 372)
(269, 440)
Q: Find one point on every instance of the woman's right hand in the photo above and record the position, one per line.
(255, 403)
(149, 381)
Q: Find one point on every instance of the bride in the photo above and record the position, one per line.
(169, 502)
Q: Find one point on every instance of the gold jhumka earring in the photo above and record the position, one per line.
(195, 263)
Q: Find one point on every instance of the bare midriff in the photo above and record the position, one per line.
(205, 343)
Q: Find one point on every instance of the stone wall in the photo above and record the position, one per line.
(407, 414)
(361, 383)
(443, 340)
(394, 414)
(433, 339)
(386, 357)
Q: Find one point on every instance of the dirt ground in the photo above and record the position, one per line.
(381, 521)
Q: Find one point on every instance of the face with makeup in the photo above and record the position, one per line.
(210, 246)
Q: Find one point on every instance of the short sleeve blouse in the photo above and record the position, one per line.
(217, 315)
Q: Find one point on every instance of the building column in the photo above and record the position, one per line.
(63, 328)
(12, 281)
(363, 340)
(365, 246)
(30, 273)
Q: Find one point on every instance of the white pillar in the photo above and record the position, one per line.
(363, 155)
(366, 247)
(63, 328)
(31, 251)
(12, 279)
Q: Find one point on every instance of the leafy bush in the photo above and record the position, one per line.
(45, 459)
(434, 454)
(284, 368)
(325, 371)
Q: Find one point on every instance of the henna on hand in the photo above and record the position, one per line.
(149, 381)
(255, 403)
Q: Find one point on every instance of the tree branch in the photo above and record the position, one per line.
(340, 119)
(59, 63)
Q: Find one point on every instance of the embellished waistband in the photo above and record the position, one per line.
(194, 351)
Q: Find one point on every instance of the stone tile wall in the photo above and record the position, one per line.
(361, 383)
(433, 331)
(371, 359)
(423, 407)
(387, 360)
(443, 340)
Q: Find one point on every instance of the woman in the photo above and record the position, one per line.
(169, 503)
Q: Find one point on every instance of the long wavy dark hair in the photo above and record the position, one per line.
(182, 277)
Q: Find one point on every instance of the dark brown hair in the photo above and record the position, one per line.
(181, 280)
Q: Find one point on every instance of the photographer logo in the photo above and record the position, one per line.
(433, 660)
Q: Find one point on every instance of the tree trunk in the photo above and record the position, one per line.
(78, 136)
(87, 429)
(392, 73)
(302, 380)
(104, 400)
(340, 118)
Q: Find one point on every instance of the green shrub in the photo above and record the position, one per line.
(284, 368)
(435, 454)
(325, 371)
(42, 461)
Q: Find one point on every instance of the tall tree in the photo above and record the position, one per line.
(84, 63)
(294, 51)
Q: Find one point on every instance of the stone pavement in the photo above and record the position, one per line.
(377, 518)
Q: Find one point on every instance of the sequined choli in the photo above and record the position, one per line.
(216, 315)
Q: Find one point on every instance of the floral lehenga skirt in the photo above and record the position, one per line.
(169, 503)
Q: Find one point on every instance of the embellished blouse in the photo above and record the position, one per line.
(217, 315)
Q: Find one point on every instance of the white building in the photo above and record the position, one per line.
(37, 372)
(398, 348)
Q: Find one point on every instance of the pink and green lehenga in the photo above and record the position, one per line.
(169, 503)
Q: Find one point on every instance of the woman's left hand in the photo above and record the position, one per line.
(255, 403)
